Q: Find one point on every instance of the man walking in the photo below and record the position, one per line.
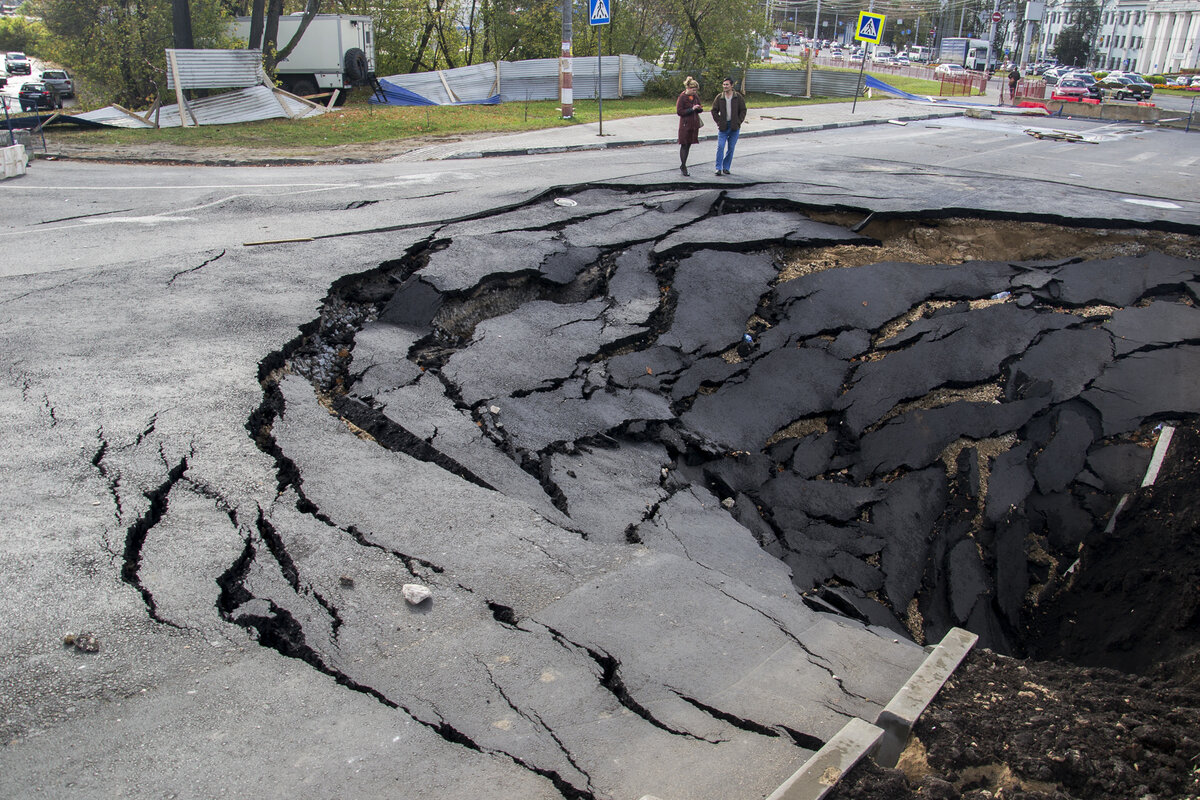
(729, 112)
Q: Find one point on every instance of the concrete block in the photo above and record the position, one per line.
(12, 161)
(899, 716)
(827, 766)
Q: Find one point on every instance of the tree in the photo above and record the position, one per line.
(116, 46)
(181, 24)
(23, 34)
(715, 37)
(1074, 44)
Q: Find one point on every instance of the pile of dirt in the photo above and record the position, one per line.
(1012, 728)
(1005, 728)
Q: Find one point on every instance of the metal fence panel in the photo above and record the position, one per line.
(794, 82)
(533, 79)
(245, 105)
(475, 83)
(215, 69)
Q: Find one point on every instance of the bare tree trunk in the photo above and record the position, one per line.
(271, 34)
(418, 60)
(181, 24)
(441, 29)
(485, 13)
(471, 34)
(311, 10)
(256, 25)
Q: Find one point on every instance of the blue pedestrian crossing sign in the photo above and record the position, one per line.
(869, 27)
(598, 12)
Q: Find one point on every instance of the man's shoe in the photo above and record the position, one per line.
(718, 172)
(724, 172)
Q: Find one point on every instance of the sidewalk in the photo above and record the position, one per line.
(638, 131)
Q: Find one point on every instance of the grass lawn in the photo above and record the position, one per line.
(359, 122)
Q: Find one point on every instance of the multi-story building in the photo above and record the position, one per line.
(1172, 38)
(1145, 36)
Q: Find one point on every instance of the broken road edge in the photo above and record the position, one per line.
(887, 738)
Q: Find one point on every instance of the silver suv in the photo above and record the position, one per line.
(17, 64)
(60, 80)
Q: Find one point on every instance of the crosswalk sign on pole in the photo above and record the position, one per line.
(598, 12)
(869, 27)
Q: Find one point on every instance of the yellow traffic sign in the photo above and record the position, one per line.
(869, 27)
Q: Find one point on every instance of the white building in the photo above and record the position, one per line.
(1144, 36)
(1172, 38)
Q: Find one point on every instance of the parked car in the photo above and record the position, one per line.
(1125, 88)
(39, 95)
(1072, 87)
(950, 70)
(60, 80)
(1094, 88)
(17, 64)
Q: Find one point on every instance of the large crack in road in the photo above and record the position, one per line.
(924, 445)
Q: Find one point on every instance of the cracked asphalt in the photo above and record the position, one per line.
(226, 460)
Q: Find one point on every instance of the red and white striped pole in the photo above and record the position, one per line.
(566, 95)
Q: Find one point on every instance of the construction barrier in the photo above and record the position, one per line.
(13, 161)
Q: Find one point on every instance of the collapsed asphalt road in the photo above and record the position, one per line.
(550, 416)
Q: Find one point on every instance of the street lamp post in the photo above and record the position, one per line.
(565, 91)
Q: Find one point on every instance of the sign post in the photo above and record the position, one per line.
(599, 13)
(868, 29)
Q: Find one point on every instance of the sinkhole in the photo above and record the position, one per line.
(931, 421)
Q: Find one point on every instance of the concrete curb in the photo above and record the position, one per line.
(888, 737)
(1156, 462)
(533, 151)
(827, 766)
(899, 716)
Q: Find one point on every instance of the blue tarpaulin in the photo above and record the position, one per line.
(395, 95)
(875, 83)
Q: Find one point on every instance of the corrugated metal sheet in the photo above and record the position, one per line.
(243, 105)
(113, 117)
(794, 82)
(534, 79)
(215, 69)
(473, 83)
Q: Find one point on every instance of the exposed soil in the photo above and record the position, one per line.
(1010, 728)
(1107, 704)
(78, 145)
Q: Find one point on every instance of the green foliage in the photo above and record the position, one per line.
(115, 47)
(1074, 44)
(22, 34)
(716, 37)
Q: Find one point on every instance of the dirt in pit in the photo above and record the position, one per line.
(1122, 720)
(958, 239)
(1049, 730)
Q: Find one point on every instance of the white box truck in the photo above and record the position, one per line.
(970, 53)
(337, 51)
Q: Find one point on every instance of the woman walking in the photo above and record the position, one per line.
(688, 108)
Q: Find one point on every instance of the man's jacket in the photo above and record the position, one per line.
(738, 104)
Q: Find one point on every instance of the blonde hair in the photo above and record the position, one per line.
(690, 82)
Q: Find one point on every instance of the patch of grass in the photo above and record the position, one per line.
(358, 122)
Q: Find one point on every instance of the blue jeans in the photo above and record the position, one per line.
(725, 143)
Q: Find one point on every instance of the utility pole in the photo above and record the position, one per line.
(565, 91)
